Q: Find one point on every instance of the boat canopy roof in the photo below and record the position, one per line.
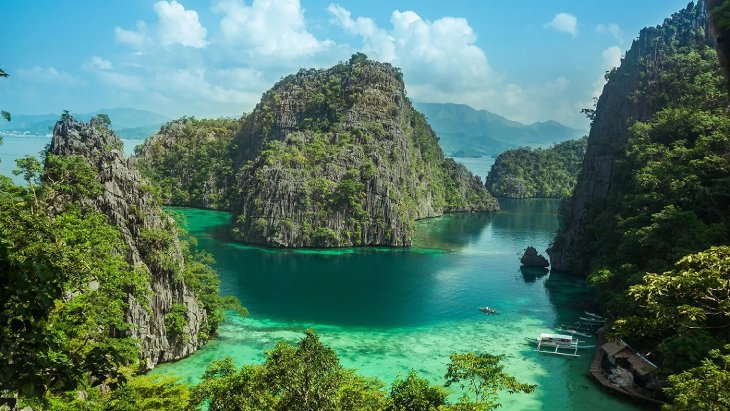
(555, 336)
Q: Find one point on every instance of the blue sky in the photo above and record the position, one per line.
(532, 60)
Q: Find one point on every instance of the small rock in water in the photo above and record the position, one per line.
(531, 258)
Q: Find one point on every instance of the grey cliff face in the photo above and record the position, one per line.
(132, 209)
(616, 111)
(383, 168)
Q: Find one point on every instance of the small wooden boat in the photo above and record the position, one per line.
(596, 316)
(567, 343)
(591, 320)
(571, 331)
(488, 310)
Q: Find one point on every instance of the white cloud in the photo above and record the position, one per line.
(612, 57)
(438, 58)
(179, 26)
(564, 22)
(99, 63)
(133, 38)
(273, 28)
(376, 41)
(46, 75)
(613, 29)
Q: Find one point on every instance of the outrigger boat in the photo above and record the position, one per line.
(558, 342)
(571, 331)
(596, 316)
(591, 320)
(488, 310)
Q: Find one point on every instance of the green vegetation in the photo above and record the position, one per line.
(66, 286)
(657, 245)
(304, 377)
(4, 114)
(63, 297)
(309, 377)
(545, 173)
(325, 168)
(192, 161)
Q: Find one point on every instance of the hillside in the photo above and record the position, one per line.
(328, 158)
(543, 173)
(648, 220)
(105, 282)
(466, 132)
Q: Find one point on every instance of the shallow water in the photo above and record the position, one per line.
(387, 311)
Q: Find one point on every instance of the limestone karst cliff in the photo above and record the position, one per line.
(617, 109)
(339, 157)
(331, 158)
(133, 210)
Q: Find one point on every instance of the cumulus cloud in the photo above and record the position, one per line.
(564, 22)
(612, 29)
(438, 57)
(442, 63)
(175, 25)
(179, 26)
(612, 57)
(269, 28)
(132, 38)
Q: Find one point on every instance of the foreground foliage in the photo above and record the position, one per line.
(543, 173)
(309, 377)
(656, 246)
(66, 284)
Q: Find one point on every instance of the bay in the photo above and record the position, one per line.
(387, 311)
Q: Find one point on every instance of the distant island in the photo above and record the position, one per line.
(543, 173)
(332, 157)
(466, 132)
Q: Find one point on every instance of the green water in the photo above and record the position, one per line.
(386, 311)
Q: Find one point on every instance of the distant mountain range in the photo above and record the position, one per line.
(467, 132)
(128, 123)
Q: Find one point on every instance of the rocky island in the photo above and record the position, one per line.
(333, 157)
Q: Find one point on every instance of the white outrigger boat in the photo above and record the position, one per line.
(558, 342)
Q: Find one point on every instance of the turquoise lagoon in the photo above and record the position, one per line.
(388, 311)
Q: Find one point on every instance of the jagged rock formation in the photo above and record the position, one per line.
(192, 161)
(532, 258)
(616, 110)
(127, 202)
(339, 157)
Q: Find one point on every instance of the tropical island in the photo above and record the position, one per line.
(541, 173)
(366, 254)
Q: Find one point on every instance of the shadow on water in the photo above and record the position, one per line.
(531, 274)
(451, 232)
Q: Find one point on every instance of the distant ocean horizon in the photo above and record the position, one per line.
(18, 145)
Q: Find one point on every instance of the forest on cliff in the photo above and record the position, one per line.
(542, 173)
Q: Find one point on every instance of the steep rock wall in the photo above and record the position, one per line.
(616, 110)
(131, 208)
(339, 157)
